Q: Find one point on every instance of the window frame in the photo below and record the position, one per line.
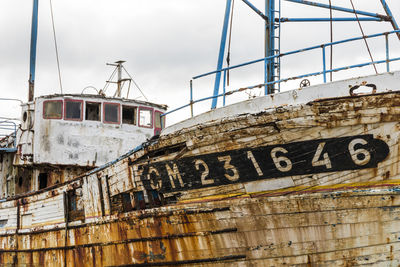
(136, 117)
(65, 109)
(53, 118)
(100, 111)
(104, 112)
(152, 117)
(161, 119)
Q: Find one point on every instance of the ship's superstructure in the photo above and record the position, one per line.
(62, 136)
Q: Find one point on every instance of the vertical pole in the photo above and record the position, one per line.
(387, 52)
(324, 62)
(266, 47)
(279, 47)
(221, 53)
(32, 65)
(119, 67)
(191, 98)
(224, 89)
(269, 67)
(389, 14)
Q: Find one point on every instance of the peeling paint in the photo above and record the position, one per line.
(337, 216)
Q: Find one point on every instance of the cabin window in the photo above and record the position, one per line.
(42, 180)
(111, 113)
(73, 110)
(129, 115)
(146, 117)
(92, 111)
(52, 109)
(159, 122)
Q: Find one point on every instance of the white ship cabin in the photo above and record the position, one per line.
(62, 136)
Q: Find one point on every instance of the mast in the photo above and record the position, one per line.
(269, 68)
(221, 53)
(32, 65)
(120, 82)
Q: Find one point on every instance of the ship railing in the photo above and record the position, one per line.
(323, 72)
(8, 136)
(8, 130)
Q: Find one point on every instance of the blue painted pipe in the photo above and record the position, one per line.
(327, 19)
(270, 46)
(387, 52)
(294, 52)
(255, 9)
(324, 63)
(221, 52)
(283, 80)
(392, 19)
(32, 65)
(348, 10)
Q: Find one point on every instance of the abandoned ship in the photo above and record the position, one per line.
(305, 177)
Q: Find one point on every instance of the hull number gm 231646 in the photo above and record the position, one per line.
(244, 165)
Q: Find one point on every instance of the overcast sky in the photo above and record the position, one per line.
(165, 43)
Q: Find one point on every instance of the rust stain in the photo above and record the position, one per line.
(227, 223)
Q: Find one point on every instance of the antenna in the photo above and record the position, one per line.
(120, 82)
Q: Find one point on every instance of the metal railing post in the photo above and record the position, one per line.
(387, 52)
(224, 88)
(191, 98)
(324, 72)
(324, 62)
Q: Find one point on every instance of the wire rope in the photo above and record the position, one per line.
(363, 35)
(228, 56)
(56, 46)
(137, 86)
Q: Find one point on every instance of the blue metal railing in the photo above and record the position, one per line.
(324, 71)
(8, 129)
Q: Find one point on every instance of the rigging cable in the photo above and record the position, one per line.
(228, 56)
(55, 44)
(137, 86)
(331, 24)
(363, 35)
(109, 79)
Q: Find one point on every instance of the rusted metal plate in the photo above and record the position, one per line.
(345, 227)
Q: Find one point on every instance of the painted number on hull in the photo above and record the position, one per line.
(244, 165)
(282, 163)
(325, 161)
(360, 156)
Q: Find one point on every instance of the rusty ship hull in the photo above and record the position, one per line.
(314, 184)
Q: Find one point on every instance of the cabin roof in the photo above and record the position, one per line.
(93, 96)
